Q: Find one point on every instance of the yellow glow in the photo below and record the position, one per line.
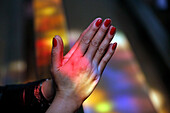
(104, 107)
(156, 99)
(96, 97)
(61, 32)
(49, 21)
(47, 11)
(99, 102)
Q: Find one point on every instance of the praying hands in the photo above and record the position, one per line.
(76, 74)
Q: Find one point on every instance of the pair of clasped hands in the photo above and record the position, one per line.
(75, 75)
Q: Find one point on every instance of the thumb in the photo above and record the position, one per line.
(57, 52)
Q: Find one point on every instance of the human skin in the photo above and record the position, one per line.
(76, 74)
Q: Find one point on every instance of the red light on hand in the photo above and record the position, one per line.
(77, 73)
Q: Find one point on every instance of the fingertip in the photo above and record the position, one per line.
(112, 30)
(114, 46)
(57, 36)
(58, 39)
(57, 52)
(54, 42)
(108, 19)
(98, 18)
(98, 22)
(107, 22)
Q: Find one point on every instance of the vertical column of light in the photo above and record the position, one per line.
(49, 21)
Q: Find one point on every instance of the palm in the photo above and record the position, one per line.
(77, 73)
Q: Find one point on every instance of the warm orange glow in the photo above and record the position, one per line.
(99, 101)
(60, 32)
(48, 11)
(96, 97)
(49, 21)
(43, 51)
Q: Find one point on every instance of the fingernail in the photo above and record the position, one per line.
(112, 31)
(99, 21)
(107, 22)
(114, 46)
(54, 42)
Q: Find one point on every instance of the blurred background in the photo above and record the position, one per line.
(136, 80)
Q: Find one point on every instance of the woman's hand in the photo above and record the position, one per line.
(77, 74)
(47, 86)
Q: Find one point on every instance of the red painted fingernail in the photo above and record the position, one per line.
(99, 21)
(114, 46)
(54, 42)
(112, 31)
(107, 22)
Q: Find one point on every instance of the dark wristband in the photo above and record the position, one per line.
(40, 97)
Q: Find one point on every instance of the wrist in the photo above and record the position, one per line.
(72, 100)
(68, 102)
(62, 104)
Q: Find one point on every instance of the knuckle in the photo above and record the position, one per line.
(93, 29)
(94, 43)
(97, 77)
(104, 61)
(110, 53)
(54, 53)
(109, 37)
(85, 40)
(103, 29)
(101, 50)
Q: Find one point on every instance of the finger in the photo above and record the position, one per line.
(77, 42)
(107, 57)
(94, 44)
(57, 52)
(84, 43)
(104, 45)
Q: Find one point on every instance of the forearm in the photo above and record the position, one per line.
(22, 98)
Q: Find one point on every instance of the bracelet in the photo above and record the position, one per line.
(39, 96)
